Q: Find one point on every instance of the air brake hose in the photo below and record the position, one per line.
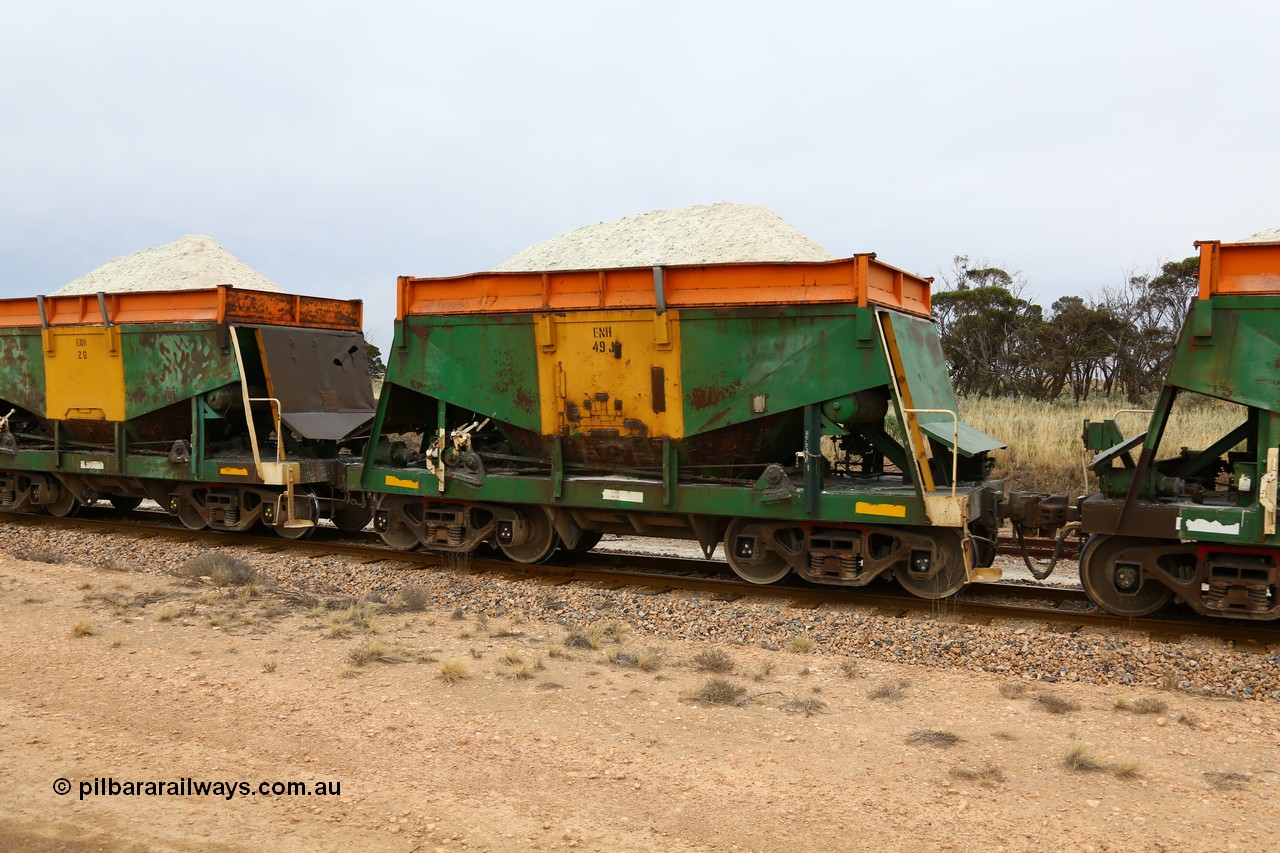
(1041, 574)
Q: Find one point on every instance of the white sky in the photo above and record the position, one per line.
(333, 146)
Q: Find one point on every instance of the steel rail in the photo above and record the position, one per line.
(1054, 605)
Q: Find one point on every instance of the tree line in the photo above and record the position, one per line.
(998, 343)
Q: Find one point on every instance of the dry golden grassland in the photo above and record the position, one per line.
(1045, 452)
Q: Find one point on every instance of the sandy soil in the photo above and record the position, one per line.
(164, 680)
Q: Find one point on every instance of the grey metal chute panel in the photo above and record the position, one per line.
(321, 379)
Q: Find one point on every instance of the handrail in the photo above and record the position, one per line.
(1120, 412)
(287, 471)
(955, 441)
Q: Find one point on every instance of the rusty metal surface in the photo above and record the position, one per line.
(219, 305)
(860, 280)
(285, 309)
(1102, 515)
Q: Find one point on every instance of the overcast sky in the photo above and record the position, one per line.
(333, 146)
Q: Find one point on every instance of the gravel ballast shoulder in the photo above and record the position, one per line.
(1010, 650)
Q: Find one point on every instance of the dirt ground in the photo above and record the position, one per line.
(548, 744)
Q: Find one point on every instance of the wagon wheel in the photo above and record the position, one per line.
(65, 505)
(749, 555)
(1115, 580)
(588, 540)
(124, 503)
(399, 535)
(352, 518)
(540, 543)
(189, 514)
(305, 508)
(945, 574)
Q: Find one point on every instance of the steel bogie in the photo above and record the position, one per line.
(294, 517)
(21, 491)
(935, 565)
(239, 508)
(528, 537)
(1136, 576)
(65, 503)
(756, 551)
(928, 563)
(1119, 573)
(350, 517)
(524, 534)
(436, 526)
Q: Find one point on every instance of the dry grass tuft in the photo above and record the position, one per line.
(762, 672)
(511, 658)
(889, 690)
(369, 652)
(168, 614)
(1044, 438)
(1056, 704)
(414, 598)
(1142, 705)
(645, 661)
(1013, 690)
(558, 651)
(523, 672)
(1189, 719)
(1080, 757)
(458, 613)
(42, 555)
(1228, 780)
(849, 667)
(713, 660)
(453, 672)
(357, 617)
(114, 564)
(801, 645)
(1004, 734)
(649, 660)
(338, 629)
(934, 737)
(589, 638)
(987, 775)
(1126, 770)
(719, 691)
(807, 706)
(221, 570)
(83, 629)
(269, 666)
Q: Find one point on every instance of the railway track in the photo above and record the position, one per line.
(1064, 608)
(1038, 548)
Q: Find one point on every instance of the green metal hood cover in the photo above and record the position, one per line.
(972, 440)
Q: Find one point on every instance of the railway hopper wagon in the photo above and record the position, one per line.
(1198, 524)
(800, 414)
(227, 407)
